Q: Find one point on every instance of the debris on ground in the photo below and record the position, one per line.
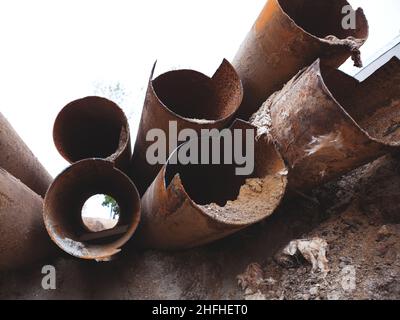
(362, 229)
(313, 251)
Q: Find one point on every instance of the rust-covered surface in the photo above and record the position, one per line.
(190, 98)
(23, 237)
(325, 123)
(192, 205)
(18, 159)
(93, 127)
(288, 36)
(66, 197)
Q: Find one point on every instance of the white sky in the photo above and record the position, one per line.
(53, 52)
(93, 208)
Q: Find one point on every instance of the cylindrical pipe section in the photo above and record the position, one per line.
(288, 36)
(65, 199)
(18, 159)
(189, 205)
(325, 123)
(23, 237)
(93, 127)
(183, 99)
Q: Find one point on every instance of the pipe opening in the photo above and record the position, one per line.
(193, 95)
(208, 183)
(66, 198)
(91, 127)
(224, 194)
(323, 18)
(187, 93)
(100, 213)
(374, 103)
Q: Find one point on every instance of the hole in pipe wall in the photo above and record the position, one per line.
(100, 213)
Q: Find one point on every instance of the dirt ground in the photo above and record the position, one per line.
(363, 234)
(358, 217)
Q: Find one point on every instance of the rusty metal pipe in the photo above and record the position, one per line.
(23, 237)
(190, 98)
(288, 36)
(191, 205)
(93, 127)
(18, 159)
(326, 123)
(66, 197)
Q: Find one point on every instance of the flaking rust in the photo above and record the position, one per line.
(18, 159)
(325, 123)
(93, 127)
(193, 101)
(192, 205)
(66, 197)
(288, 36)
(23, 237)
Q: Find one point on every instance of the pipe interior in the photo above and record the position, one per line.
(323, 18)
(90, 128)
(71, 190)
(219, 183)
(192, 95)
(207, 183)
(374, 103)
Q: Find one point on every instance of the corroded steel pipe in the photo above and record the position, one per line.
(65, 199)
(190, 98)
(93, 127)
(18, 159)
(326, 123)
(192, 205)
(288, 36)
(23, 237)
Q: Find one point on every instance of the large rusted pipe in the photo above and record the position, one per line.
(325, 123)
(93, 127)
(193, 101)
(288, 36)
(23, 237)
(18, 159)
(66, 197)
(192, 205)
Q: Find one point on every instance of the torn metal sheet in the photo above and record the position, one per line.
(93, 127)
(65, 199)
(193, 101)
(23, 237)
(18, 159)
(191, 205)
(288, 36)
(325, 123)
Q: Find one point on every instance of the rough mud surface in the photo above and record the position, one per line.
(358, 217)
(257, 199)
(384, 124)
(363, 246)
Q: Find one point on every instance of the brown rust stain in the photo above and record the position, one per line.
(5, 201)
(265, 16)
